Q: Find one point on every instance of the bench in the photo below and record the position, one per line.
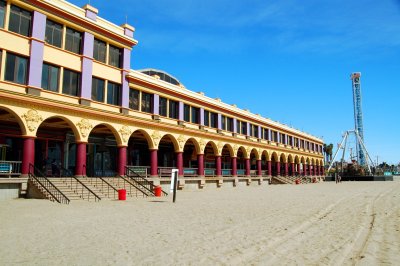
(5, 168)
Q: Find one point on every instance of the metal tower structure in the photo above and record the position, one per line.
(358, 116)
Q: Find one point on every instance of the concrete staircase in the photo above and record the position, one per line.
(72, 189)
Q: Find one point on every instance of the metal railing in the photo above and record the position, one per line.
(142, 170)
(77, 186)
(129, 185)
(141, 181)
(165, 171)
(41, 181)
(103, 186)
(9, 168)
(190, 172)
(209, 172)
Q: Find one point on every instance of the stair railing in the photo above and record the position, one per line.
(137, 187)
(42, 181)
(78, 187)
(100, 183)
(141, 181)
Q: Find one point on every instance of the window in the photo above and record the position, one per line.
(229, 124)
(71, 82)
(255, 131)
(173, 109)
(73, 40)
(147, 102)
(98, 89)
(213, 120)
(206, 118)
(290, 140)
(99, 50)
(113, 93)
(53, 33)
(195, 115)
(114, 57)
(282, 138)
(238, 128)
(251, 128)
(223, 122)
(50, 76)
(163, 104)
(2, 12)
(20, 21)
(186, 113)
(274, 136)
(244, 128)
(16, 68)
(134, 99)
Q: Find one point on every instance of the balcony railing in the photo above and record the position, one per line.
(10, 168)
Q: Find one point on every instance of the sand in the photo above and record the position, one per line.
(325, 224)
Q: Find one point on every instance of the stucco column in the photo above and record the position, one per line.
(179, 163)
(247, 162)
(122, 151)
(218, 168)
(28, 155)
(234, 166)
(278, 168)
(80, 163)
(259, 170)
(200, 161)
(153, 163)
(269, 168)
(286, 165)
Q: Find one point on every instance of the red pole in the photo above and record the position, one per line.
(80, 163)
(269, 166)
(234, 166)
(200, 161)
(122, 151)
(218, 165)
(286, 169)
(247, 161)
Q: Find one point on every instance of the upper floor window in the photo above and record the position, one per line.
(71, 82)
(195, 115)
(223, 122)
(98, 89)
(134, 99)
(114, 58)
(255, 131)
(274, 136)
(186, 113)
(16, 68)
(2, 12)
(213, 120)
(238, 128)
(113, 93)
(20, 21)
(73, 41)
(244, 128)
(229, 124)
(147, 100)
(173, 109)
(54, 32)
(50, 75)
(206, 118)
(163, 106)
(99, 50)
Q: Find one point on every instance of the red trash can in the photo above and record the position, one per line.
(157, 191)
(297, 181)
(122, 194)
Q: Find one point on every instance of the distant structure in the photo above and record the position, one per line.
(358, 116)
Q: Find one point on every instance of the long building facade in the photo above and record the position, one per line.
(70, 100)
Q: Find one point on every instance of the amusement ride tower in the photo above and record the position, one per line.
(358, 116)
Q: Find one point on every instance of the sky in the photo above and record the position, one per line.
(287, 60)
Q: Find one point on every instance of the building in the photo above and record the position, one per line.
(68, 97)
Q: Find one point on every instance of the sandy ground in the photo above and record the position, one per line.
(314, 224)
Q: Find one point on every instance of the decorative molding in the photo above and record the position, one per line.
(32, 119)
(84, 127)
(202, 145)
(125, 133)
(156, 137)
(181, 141)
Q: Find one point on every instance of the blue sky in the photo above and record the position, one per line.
(287, 60)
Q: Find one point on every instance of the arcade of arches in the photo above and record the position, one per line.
(92, 147)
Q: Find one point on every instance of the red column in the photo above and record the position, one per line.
(278, 168)
(247, 162)
(80, 163)
(218, 165)
(323, 170)
(297, 169)
(305, 169)
(314, 170)
(286, 169)
(28, 155)
(153, 163)
(317, 170)
(259, 170)
(234, 166)
(293, 172)
(179, 163)
(269, 168)
(200, 161)
(122, 151)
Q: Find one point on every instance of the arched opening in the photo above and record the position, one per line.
(102, 152)
(253, 162)
(226, 159)
(190, 163)
(11, 144)
(283, 165)
(274, 164)
(166, 153)
(297, 165)
(264, 163)
(241, 162)
(209, 159)
(138, 152)
(55, 147)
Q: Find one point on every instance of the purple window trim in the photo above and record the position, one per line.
(156, 104)
(234, 125)
(88, 42)
(125, 90)
(87, 69)
(36, 64)
(126, 61)
(219, 121)
(38, 26)
(201, 117)
(180, 115)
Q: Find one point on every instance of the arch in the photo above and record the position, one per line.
(296, 159)
(173, 140)
(302, 160)
(17, 118)
(266, 154)
(230, 149)
(283, 158)
(195, 143)
(65, 119)
(321, 162)
(274, 156)
(244, 151)
(111, 128)
(256, 153)
(312, 161)
(146, 135)
(308, 160)
(290, 158)
(214, 146)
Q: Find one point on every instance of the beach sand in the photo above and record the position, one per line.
(326, 223)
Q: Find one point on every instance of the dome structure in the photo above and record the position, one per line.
(161, 74)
